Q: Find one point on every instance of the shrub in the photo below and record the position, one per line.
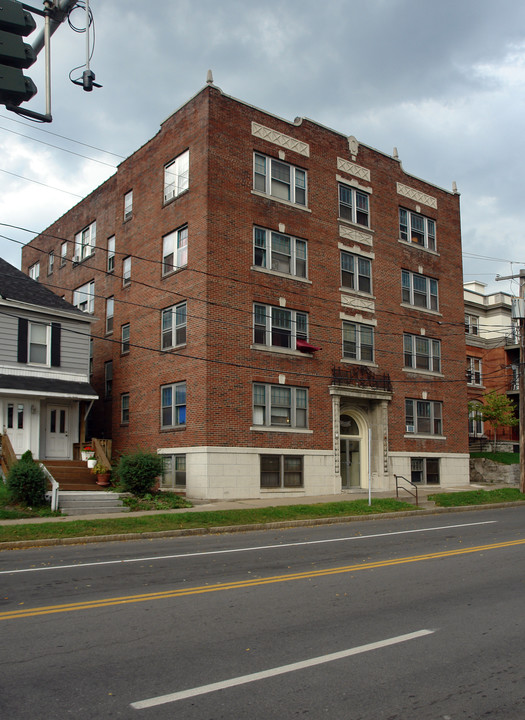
(26, 482)
(138, 471)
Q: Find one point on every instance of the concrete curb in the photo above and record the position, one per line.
(50, 542)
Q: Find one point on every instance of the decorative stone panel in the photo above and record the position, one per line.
(352, 169)
(350, 233)
(358, 303)
(416, 195)
(278, 138)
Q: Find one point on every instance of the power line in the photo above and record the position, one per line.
(37, 182)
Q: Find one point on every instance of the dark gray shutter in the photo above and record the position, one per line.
(22, 340)
(56, 334)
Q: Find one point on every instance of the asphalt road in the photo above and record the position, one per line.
(400, 619)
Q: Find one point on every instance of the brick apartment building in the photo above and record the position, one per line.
(493, 355)
(279, 307)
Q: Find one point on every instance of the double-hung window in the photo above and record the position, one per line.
(110, 311)
(417, 229)
(128, 205)
(281, 471)
(280, 406)
(63, 254)
(356, 272)
(111, 254)
(39, 345)
(51, 262)
(475, 420)
(173, 405)
(419, 290)
(177, 176)
(34, 271)
(279, 327)
(279, 252)
(422, 353)
(85, 242)
(358, 341)
(175, 250)
(126, 271)
(124, 409)
(471, 324)
(423, 417)
(474, 371)
(353, 205)
(124, 339)
(108, 378)
(84, 297)
(174, 321)
(280, 180)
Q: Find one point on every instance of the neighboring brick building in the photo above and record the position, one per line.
(493, 355)
(270, 295)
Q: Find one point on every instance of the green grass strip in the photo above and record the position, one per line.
(505, 458)
(179, 521)
(477, 497)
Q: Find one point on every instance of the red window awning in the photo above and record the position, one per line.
(305, 347)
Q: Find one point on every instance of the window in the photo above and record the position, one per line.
(124, 339)
(175, 250)
(279, 179)
(280, 406)
(15, 418)
(424, 471)
(422, 353)
(85, 242)
(279, 471)
(126, 271)
(278, 327)
(34, 271)
(84, 297)
(173, 405)
(356, 272)
(174, 471)
(419, 290)
(63, 254)
(108, 378)
(353, 205)
(39, 346)
(124, 408)
(423, 417)
(474, 371)
(417, 229)
(176, 176)
(111, 254)
(174, 326)
(475, 420)
(110, 307)
(471, 324)
(358, 341)
(128, 205)
(50, 262)
(282, 253)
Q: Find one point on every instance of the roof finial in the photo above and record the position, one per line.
(209, 77)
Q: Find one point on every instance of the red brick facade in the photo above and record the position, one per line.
(220, 362)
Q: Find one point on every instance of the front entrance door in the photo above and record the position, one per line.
(57, 431)
(350, 463)
(17, 425)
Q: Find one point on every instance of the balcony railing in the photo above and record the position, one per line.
(360, 376)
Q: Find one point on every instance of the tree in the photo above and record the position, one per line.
(498, 410)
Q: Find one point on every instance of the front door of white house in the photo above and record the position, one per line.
(57, 431)
(17, 424)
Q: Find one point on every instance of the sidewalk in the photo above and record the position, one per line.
(210, 506)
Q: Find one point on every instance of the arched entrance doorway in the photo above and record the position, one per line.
(350, 439)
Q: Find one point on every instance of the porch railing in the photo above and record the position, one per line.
(361, 376)
(54, 487)
(400, 486)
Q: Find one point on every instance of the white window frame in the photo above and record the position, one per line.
(51, 262)
(126, 271)
(475, 420)
(84, 297)
(33, 329)
(282, 468)
(354, 205)
(176, 407)
(359, 348)
(175, 250)
(34, 271)
(269, 177)
(271, 410)
(417, 229)
(417, 421)
(358, 275)
(63, 253)
(267, 330)
(269, 252)
(421, 353)
(174, 321)
(125, 331)
(471, 324)
(110, 312)
(85, 242)
(420, 291)
(177, 176)
(110, 264)
(474, 371)
(128, 205)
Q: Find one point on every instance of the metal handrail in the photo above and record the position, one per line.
(54, 487)
(400, 487)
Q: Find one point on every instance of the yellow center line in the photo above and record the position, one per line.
(306, 575)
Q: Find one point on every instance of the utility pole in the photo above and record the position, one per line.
(518, 313)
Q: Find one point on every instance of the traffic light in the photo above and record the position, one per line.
(15, 55)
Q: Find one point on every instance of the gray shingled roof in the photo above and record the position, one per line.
(47, 386)
(17, 286)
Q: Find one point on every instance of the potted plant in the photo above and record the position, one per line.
(87, 452)
(103, 474)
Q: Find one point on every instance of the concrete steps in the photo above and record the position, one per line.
(90, 503)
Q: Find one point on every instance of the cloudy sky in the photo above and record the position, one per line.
(441, 80)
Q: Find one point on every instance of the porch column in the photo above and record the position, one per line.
(336, 422)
